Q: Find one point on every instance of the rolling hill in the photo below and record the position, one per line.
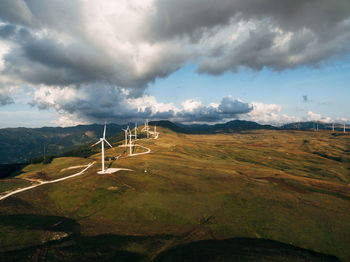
(260, 195)
(229, 127)
(19, 145)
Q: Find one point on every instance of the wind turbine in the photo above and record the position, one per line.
(102, 140)
(344, 127)
(333, 127)
(126, 131)
(155, 131)
(135, 131)
(130, 144)
(147, 128)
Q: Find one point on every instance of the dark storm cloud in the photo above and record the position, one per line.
(46, 60)
(7, 31)
(16, 12)
(320, 30)
(176, 18)
(88, 45)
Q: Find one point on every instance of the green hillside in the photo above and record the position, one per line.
(20, 145)
(263, 195)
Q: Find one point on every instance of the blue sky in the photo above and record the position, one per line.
(130, 60)
(327, 88)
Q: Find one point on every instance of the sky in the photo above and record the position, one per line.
(64, 63)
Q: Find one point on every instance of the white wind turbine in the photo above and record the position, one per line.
(126, 131)
(155, 132)
(130, 144)
(102, 140)
(135, 131)
(146, 127)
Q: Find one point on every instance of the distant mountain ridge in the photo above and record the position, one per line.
(19, 145)
(228, 127)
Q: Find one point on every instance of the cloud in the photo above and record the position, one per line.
(311, 116)
(191, 105)
(105, 54)
(93, 104)
(120, 106)
(269, 114)
(5, 97)
(233, 107)
(131, 43)
(229, 35)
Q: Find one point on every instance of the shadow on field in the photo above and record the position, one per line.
(32, 221)
(109, 247)
(73, 246)
(241, 249)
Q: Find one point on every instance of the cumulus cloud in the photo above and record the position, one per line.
(311, 116)
(130, 43)
(269, 114)
(93, 59)
(118, 105)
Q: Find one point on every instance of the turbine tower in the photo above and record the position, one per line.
(130, 144)
(135, 131)
(102, 140)
(147, 128)
(126, 131)
(333, 127)
(344, 127)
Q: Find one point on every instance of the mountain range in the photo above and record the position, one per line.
(20, 145)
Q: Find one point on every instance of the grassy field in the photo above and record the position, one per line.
(265, 195)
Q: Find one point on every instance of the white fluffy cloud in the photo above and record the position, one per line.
(118, 105)
(269, 114)
(317, 117)
(191, 104)
(76, 106)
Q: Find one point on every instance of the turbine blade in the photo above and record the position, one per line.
(107, 143)
(104, 131)
(95, 144)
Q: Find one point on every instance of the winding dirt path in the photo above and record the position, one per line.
(46, 182)
(148, 150)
